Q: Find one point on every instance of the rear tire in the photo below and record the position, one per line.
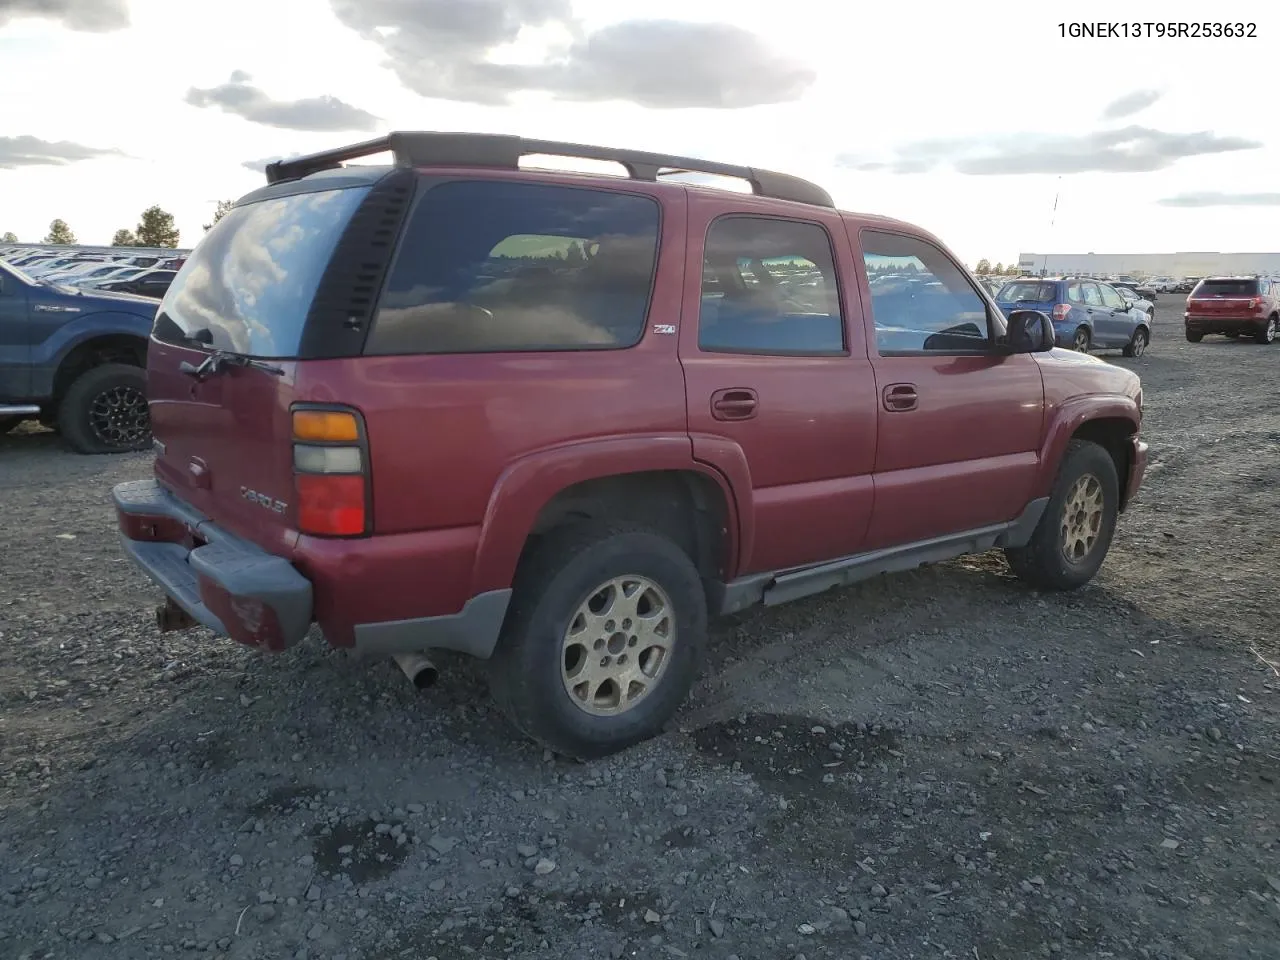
(1073, 537)
(105, 410)
(1268, 333)
(1194, 337)
(551, 672)
(1082, 340)
(1138, 345)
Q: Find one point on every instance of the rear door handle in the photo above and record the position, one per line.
(900, 396)
(734, 403)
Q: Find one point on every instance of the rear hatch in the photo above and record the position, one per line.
(223, 437)
(1232, 299)
(1027, 295)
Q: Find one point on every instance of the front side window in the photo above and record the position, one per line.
(492, 265)
(920, 299)
(769, 287)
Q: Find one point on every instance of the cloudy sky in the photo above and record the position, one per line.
(965, 118)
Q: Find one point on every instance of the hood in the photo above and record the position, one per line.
(1068, 373)
(112, 300)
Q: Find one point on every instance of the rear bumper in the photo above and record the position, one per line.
(1225, 324)
(232, 587)
(1138, 455)
(357, 590)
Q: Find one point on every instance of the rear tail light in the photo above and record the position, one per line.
(1255, 303)
(1061, 311)
(330, 472)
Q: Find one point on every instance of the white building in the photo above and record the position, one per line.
(1142, 265)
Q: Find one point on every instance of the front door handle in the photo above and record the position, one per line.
(735, 403)
(900, 396)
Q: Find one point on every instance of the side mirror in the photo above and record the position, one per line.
(1030, 331)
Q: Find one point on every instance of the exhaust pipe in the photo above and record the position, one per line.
(18, 410)
(171, 617)
(422, 673)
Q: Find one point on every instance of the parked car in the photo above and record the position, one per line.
(1234, 307)
(74, 360)
(390, 440)
(1140, 291)
(1087, 314)
(151, 283)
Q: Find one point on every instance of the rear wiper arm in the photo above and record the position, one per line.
(219, 361)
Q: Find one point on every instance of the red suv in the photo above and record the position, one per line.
(556, 420)
(1235, 306)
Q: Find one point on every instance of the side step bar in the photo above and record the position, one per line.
(787, 585)
(18, 410)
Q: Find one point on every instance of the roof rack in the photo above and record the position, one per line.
(418, 149)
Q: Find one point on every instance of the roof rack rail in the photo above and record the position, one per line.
(416, 149)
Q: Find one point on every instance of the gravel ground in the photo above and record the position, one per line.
(940, 764)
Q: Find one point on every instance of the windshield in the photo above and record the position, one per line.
(1027, 292)
(1228, 288)
(248, 286)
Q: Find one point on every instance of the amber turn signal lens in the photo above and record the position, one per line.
(325, 426)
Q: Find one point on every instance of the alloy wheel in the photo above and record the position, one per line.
(617, 646)
(118, 417)
(1082, 518)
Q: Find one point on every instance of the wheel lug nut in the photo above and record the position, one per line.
(604, 661)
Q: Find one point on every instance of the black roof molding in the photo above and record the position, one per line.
(420, 149)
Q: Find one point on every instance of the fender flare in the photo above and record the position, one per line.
(1067, 419)
(94, 325)
(531, 482)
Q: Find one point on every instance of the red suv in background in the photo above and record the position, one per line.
(1234, 306)
(557, 420)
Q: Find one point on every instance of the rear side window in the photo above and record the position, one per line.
(248, 285)
(769, 287)
(488, 266)
(921, 300)
(1227, 288)
(1025, 292)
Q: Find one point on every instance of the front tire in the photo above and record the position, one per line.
(1073, 537)
(1138, 345)
(1268, 333)
(603, 640)
(105, 410)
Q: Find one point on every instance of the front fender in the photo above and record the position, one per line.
(48, 355)
(531, 482)
(1068, 418)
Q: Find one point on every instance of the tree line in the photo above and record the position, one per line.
(156, 228)
(999, 270)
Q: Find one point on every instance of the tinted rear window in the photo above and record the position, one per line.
(1227, 288)
(499, 266)
(1022, 291)
(251, 279)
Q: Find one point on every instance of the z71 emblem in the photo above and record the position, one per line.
(667, 328)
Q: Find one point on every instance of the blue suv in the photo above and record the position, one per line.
(1087, 314)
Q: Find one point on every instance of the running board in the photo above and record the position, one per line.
(784, 586)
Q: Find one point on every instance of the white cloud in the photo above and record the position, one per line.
(875, 86)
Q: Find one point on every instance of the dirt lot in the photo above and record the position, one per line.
(936, 765)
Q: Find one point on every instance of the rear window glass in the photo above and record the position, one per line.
(1021, 291)
(498, 266)
(1227, 288)
(249, 283)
